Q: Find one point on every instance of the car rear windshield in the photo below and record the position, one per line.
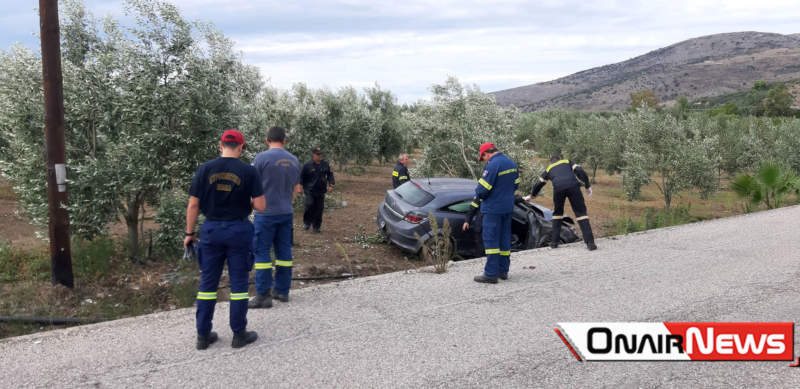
(413, 194)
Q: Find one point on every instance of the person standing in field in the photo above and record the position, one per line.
(225, 190)
(317, 180)
(280, 180)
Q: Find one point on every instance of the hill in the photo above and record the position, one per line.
(696, 68)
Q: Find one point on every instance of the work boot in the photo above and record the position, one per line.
(591, 246)
(284, 298)
(503, 276)
(243, 338)
(486, 280)
(586, 231)
(317, 231)
(204, 341)
(555, 234)
(306, 226)
(260, 301)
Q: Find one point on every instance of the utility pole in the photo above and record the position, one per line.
(60, 255)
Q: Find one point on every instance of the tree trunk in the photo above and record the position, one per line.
(132, 222)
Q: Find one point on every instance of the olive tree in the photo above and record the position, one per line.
(671, 152)
(144, 106)
(457, 121)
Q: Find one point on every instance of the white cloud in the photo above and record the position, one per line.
(407, 46)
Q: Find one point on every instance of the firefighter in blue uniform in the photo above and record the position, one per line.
(496, 189)
(400, 173)
(567, 179)
(225, 190)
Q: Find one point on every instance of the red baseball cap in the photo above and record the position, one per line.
(233, 136)
(484, 147)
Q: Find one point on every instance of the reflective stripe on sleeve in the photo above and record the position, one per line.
(474, 204)
(402, 178)
(504, 172)
(516, 181)
(582, 218)
(485, 184)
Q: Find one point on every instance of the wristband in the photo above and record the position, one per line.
(188, 234)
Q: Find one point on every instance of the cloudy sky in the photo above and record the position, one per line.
(406, 46)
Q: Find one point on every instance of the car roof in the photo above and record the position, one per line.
(438, 186)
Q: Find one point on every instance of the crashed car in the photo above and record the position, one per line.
(403, 216)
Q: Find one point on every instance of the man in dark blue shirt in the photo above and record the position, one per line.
(496, 189)
(280, 180)
(317, 179)
(225, 190)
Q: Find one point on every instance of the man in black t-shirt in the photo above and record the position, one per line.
(317, 179)
(225, 190)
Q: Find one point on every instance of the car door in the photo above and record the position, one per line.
(465, 240)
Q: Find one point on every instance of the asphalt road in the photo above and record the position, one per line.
(422, 329)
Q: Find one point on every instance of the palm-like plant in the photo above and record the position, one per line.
(769, 185)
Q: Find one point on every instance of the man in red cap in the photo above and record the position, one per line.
(225, 190)
(495, 191)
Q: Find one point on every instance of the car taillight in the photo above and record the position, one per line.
(414, 218)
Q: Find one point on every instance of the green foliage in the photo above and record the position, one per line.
(144, 106)
(171, 219)
(438, 249)
(644, 99)
(769, 185)
(93, 258)
(771, 99)
(454, 125)
(653, 218)
(727, 109)
(673, 150)
(17, 264)
(778, 101)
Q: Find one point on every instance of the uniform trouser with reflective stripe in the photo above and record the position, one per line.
(314, 208)
(273, 232)
(496, 232)
(578, 206)
(221, 241)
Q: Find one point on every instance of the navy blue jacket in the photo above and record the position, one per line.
(497, 185)
(564, 175)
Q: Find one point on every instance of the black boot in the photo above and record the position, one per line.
(503, 276)
(204, 341)
(284, 298)
(243, 338)
(586, 231)
(555, 234)
(485, 280)
(260, 301)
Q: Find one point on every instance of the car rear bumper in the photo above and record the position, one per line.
(399, 231)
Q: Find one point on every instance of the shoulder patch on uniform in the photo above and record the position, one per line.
(485, 172)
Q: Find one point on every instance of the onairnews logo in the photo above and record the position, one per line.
(679, 341)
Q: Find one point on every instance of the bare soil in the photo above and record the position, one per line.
(133, 289)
